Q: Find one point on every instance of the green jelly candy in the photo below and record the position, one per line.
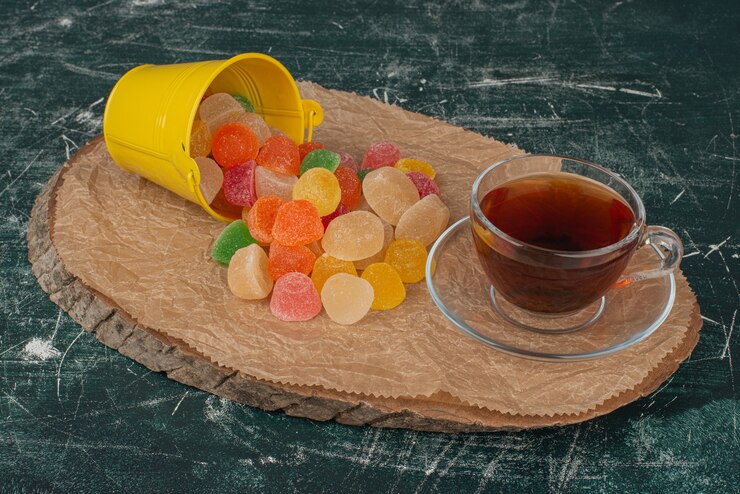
(362, 173)
(234, 237)
(320, 158)
(246, 104)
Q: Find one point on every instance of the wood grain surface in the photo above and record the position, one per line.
(649, 89)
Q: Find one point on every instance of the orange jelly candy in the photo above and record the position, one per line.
(350, 185)
(280, 154)
(307, 147)
(200, 139)
(297, 223)
(284, 259)
(261, 217)
(234, 144)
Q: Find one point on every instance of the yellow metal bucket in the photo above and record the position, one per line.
(150, 112)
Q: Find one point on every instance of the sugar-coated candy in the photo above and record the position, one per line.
(381, 154)
(363, 173)
(387, 285)
(284, 259)
(327, 266)
(261, 217)
(297, 223)
(424, 185)
(346, 298)
(233, 144)
(413, 165)
(424, 221)
(307, 147)
(244, 102)
(200, 139)
(350, 186)
(294, 298)
(389, 192)
(211, 177)
(353, 236)
(409, 257)
(280, 154)
(320, 187)
(217, 109)
(255, 122)
(269, 183)
(239, 186)
(388, 237)
(277, 132)
(248, 277)
(320, 158)
(341, 209)
(346, 159)
(232, 238)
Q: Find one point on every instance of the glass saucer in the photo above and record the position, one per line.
(462, 292)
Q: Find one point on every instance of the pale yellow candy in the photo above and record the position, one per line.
(389, 192)
(255, 122)
(211, 177)
(218, 109)
(412, 165)
(346, 298)
(321, 188)
(409, 258)
(353, 236)
(387, 239)
(424, 221)
(269, 183)
(248, 276)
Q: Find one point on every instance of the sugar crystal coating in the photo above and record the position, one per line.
(423, 184)
(387, 285)
(320, 187)
(413, 165)
(232, 238)
(409, 258)
(200, 139)
(239, 186)
(280, 154)
(269, 183)
(211, 178)
(327, 266)
(294, 298)
(307, 147)
(346, 298)
(261, 217)
(388, 237)
(424, 221)
(389, 192)
(284, 259)
(248, 277)
(354, 236)
(381, 154)
(350, 186)
(297, 223)
(218, 109)
(320, 158)
(234, 144)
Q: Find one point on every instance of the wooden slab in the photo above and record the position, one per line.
(114, 327)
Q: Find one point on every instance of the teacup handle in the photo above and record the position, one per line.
(666, 239)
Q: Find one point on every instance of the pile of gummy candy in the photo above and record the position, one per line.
(312, 219)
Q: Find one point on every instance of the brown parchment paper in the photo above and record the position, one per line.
(148, 250)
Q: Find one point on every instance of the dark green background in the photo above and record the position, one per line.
(649, 89)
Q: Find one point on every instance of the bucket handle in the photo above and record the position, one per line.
(313, 116)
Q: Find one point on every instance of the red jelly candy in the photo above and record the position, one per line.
(281, 155)
(307, 147)
(381, 154)
(261, 218)
(350, 185)
(233, 144)
(424, 184)
(341, 209)
(238, 185)
(294, 298)
(285, 259)
(297, 223)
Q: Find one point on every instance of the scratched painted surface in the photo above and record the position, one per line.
(652, 90)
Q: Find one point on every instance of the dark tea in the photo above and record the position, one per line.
(560, 212)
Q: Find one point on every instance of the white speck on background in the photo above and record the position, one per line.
(39, 349)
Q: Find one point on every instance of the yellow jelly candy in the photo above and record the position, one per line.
(387, 286)
(200, 139)
(320, 187)
(387, 239)
(409, 257)
(389, 192)
(327, 266)
(424, 221)
(346, 298)
(248, 276)
(411, 165)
